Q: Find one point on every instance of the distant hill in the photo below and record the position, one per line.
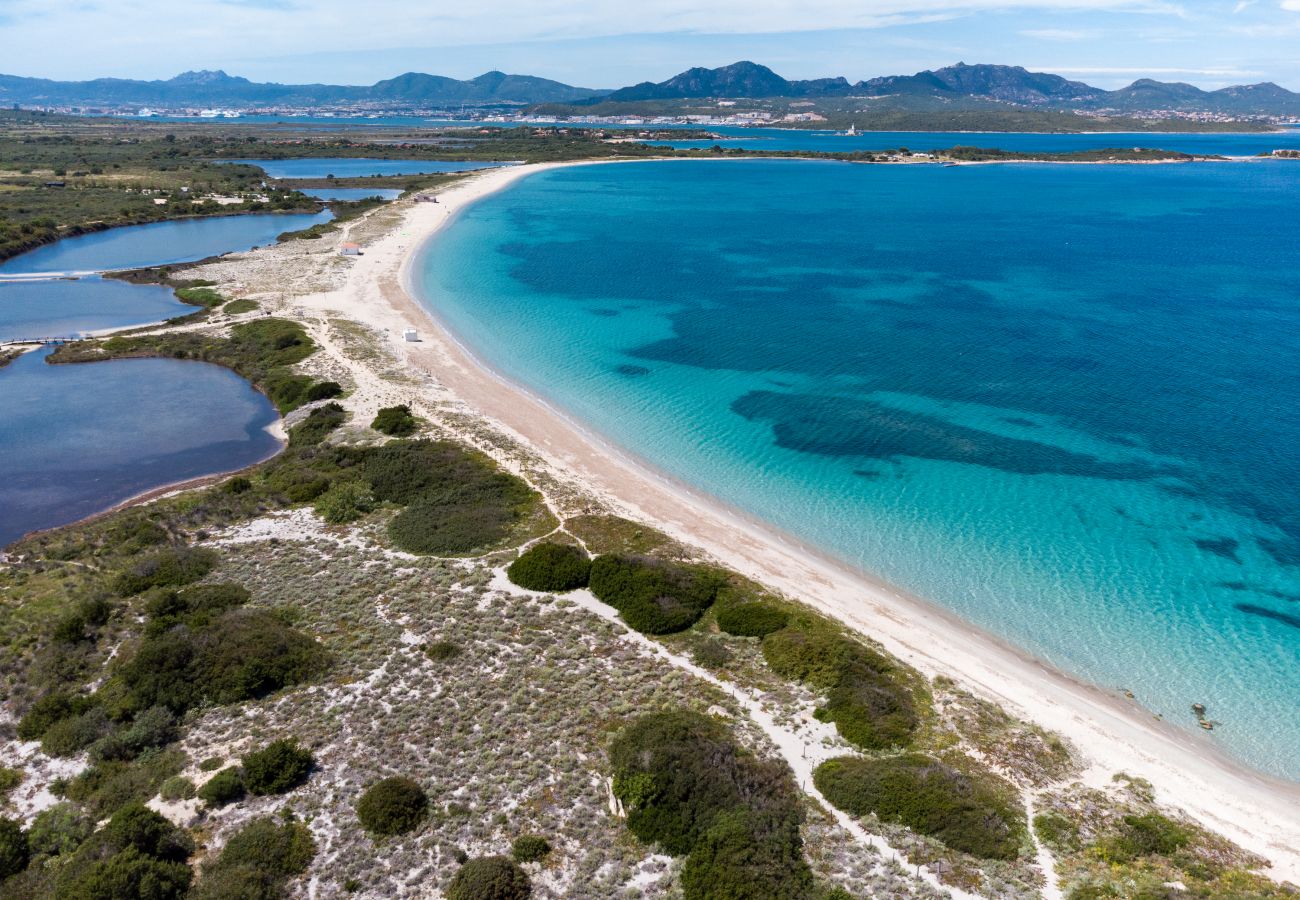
(963, 84)
(208, 88)
(959, 86)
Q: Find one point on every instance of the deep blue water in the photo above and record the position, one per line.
(159, 243)
(360, 168)
(69, 308)
(1057, 400)
(1245, 144)
(77, 439)
(353, 193)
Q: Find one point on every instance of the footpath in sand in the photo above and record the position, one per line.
(440, 378)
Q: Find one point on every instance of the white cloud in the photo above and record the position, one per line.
(1065, 35)
(1293, 5)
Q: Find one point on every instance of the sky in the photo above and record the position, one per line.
(610, 43)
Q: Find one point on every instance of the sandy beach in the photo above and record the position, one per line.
(1112, 733)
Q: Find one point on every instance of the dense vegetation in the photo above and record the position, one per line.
(262, 351)
(489, 878)
(257, 861)
(652, 595)
(277, 768)
(394, 805)
(752, 619)
(551, 567)
(975, 814)
(396, 421)
(688, 788)
(869, 697)
(530, 848)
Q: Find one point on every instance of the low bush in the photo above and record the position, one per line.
(317, 426)
(551, 567)
(47, 710)
(14, 850)
(394, 805)
(735, 859)
(442, 651)
(530, 848)
(152, 728)
(653, 596)
(170, 567)
(489, 878)
(242, 654)
(59, 830)
(241, 306)
(137, 854)
(752, 619)
(711, 654)
(178, 787)
(277, 768)
(396, 421)
(68, 737)
(1149, 834)
(257, 860)
(345, 501)
(107, 786)
(974, 814)
(223, 788)
(200, 296)
(462, 519)
(194, 606)
(868, 695)
(9, 779)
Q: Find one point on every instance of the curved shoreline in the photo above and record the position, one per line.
(1257, 810)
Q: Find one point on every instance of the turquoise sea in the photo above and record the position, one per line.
(1058, 400)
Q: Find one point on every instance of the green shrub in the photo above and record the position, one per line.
(9, 779)
(154, 727)
(14, 851)
(678, 772)
(1149, 834)
(463, 519)
(47, 710)
(199, 296)
(868, 697)
(256, 862)
(711, 654)
(211, 764)
(59, 830)
(107, 786)
(395, 420)
(974, 814)
(752, 619)
(178, 787)
(68, 737)
(394, 805)
(170, 567)
(530, 848)
(225, 787)
(735, 859)
(317, 426)
(128, 873)
(653, 596)
(323, 390)
(551, 567)
(240, 306)
(277, 768)
(345, 501)
(489, 878)
(1057, 831)
(195, 606)
(242, 654)
(237, 485)
(442, 651)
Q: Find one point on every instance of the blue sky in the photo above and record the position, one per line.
(608, 43)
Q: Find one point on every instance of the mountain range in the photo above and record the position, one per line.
(953, 87)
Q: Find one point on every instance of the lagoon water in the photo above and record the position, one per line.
(77, 439)
(360, 168)
(1057, 400)
(71, 308)
(159, 243)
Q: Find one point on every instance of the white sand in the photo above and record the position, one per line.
(1114, 735)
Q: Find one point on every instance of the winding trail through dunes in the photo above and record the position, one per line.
(803, 749)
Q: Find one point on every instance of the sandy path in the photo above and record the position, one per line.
(1258, 812)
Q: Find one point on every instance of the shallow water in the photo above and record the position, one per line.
(159, 243)
(1058, 400)
(78, 439)
(71, 308)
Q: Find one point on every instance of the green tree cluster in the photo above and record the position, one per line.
(653, 596)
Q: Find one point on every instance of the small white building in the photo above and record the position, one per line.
(349, 249)
(411, 335)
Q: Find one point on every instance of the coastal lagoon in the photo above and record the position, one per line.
(78, 439)
(1056, 400)
(360, 168)
(74, 307)
(159, 243)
